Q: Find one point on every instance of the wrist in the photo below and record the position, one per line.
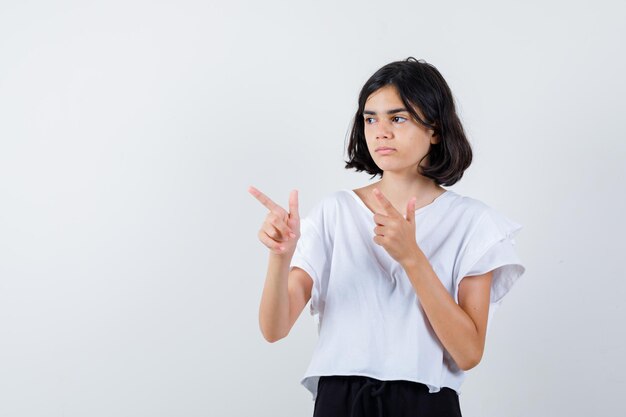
(282, 257)
(414, 259)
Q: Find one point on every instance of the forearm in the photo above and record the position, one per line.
(452, 325)
(274, 308)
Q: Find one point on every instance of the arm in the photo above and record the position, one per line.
(284, 296)
(285, 293)
(462, 327)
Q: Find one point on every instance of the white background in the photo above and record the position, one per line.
(130, 269)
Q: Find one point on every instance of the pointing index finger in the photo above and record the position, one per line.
(387, 206)
(265, 200)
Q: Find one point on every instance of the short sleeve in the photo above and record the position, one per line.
(491, 246)
(312, 254)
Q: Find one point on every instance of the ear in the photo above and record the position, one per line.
(433, 137)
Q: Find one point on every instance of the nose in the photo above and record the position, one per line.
(383, 130)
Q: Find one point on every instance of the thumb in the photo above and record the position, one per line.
(293, 205)
(410, 210)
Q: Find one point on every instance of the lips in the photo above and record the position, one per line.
(384, 148)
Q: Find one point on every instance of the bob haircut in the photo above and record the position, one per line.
(421, 85)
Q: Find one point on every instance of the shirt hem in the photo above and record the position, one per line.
(310, 381)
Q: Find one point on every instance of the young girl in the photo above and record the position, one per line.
(384, 265)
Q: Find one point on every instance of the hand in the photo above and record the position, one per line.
(280, 230)
(393, 232)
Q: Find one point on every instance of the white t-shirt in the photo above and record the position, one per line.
(369, 318)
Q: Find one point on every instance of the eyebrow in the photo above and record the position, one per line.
(392, 111)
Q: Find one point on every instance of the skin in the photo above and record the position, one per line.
(286, 290)
(281, 229)
(461, 327)
(400, 180)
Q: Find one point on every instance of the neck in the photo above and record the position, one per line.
(399, 189)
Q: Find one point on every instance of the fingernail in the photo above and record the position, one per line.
(292, 234)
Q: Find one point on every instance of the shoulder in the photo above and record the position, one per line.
(470, 210)
(483, 220)
(324, 211)
(329, 202)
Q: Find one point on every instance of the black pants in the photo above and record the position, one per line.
(352, 395)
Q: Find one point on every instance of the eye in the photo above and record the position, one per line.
(400, 117)
(367, 120)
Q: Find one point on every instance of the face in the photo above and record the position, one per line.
(389, 124)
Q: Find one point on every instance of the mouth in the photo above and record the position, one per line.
(385, 150)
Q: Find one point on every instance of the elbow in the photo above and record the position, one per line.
(470, 363)
(473, 356)
(272, 337)
(467, 366)
(270, 332)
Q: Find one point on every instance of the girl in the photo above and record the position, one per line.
(384, 265)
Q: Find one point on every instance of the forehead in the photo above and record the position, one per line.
(384, 96)
(387, 98)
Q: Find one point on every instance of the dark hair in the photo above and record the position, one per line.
(421, 85)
